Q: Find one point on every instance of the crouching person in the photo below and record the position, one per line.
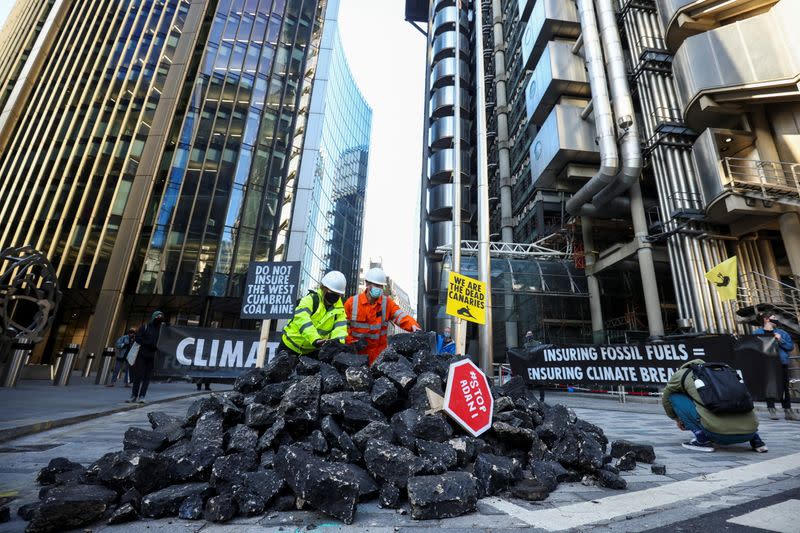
(683, 403)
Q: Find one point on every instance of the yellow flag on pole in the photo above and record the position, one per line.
(725, 278)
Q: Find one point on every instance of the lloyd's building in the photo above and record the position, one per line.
(632, 145)
(153, 148)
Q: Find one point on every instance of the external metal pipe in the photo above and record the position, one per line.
(503, 151)
(603, 116)
(484, 261)
(595, 307)
(630, 149)
(458, 327)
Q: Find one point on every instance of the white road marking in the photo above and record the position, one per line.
(581, 514)
(781, 517)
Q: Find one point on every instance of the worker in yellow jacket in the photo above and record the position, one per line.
(318, 317)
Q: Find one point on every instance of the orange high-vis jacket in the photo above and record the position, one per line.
(370, 321)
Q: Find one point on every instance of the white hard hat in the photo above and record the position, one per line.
(376, 276)
(334, 281)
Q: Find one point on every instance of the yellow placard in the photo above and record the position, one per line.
(466, 298)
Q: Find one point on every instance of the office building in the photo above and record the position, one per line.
(632, 145)
(152, 149)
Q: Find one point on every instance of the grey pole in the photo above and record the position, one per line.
(16, 361)
(484, 260)
(595, 307)
(458, 324)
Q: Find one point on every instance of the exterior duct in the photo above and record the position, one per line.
(630, 149)
(603, 117)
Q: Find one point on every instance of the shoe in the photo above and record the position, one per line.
(198, 386)
(773, 414)
(110, 385)
(698, 446)
(758, 445)
(130, 400)
(208, 387)
(141, 400)
(127, 385)
(790, 414)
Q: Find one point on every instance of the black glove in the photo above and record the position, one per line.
(360, 345)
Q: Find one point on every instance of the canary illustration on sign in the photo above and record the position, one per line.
(466, 298)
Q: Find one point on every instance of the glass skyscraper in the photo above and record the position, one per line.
(329, 210)
(151, 148)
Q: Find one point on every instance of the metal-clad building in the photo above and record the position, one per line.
(645, 140)
(151, 148)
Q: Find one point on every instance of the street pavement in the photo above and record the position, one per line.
(733, 489)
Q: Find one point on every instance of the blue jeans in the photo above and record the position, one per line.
(118, 368)
(687, 412)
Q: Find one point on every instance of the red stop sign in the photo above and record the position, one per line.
(468, 399)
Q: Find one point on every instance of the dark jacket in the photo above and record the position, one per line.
(147, 337)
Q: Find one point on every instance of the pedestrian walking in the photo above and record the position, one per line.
(121, 349)
(319, 317)
(370, 312)
(147, 338)
(785, 345)
(683, 403)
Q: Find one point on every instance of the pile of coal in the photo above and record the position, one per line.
(326, 434)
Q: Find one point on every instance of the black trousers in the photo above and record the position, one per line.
(786, 399)
(142, 370)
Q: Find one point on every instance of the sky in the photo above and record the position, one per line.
(387, 57)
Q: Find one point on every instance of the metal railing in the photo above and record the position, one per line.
(771, 178)
(756, 288)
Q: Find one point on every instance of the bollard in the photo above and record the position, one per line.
(65, 364)
(21, 350)
(107, 361)
(87, 365)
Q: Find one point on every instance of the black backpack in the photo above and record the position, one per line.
(720, 389)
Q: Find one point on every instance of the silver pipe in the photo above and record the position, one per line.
(587, 110)
(595, 307)
(457, 327)
(484, 261)
(603, 116)
(630, 149)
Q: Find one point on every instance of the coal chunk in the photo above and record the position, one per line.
(398, 372)
(359, 378)
(201, 407)
(271, 435)
(28, 510)
(328, 487)
(133, 497)
(659, 470)
(530, 490)
(627, 462)
(140, 469)
(610, 480)
(254, 490)
(417, 397)
(354, 413)
(58, 465)
(194, 464)
(344, 360)
(437, 457)
(257, 415)
(515, 436)
(337, 438)
(143, 439)
(367, 488)
(300, 403)
(332, 380)
(384, 393)
(242, 438)
(389, 496)
(123, 513)
(191, 508)
(409, 343)
(209, 430)
(373, 431)
(610, 468)
(250, 381)
(495, 473)
(5, 514)
(167, 501)
(272, 394)
(220, 508)
(71, 506)
(443, 496)
(160, 419)
(279, 368)
(644, 453)
(391, 463)
(228, 469)
(467, 449)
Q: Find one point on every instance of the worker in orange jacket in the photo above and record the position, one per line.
(369, 314)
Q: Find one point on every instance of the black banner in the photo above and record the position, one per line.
(271, 289)
(185, 351)
(649, 363)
